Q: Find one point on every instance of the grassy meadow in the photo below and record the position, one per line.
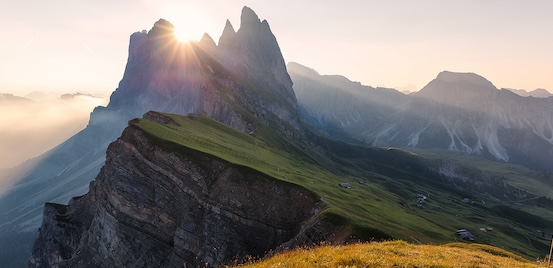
(381, 203)
(396, 254)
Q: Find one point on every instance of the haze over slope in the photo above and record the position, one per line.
(460, 112)
(31, 127)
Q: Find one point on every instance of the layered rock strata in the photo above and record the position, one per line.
(152, 207)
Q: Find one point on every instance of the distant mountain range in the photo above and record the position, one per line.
(461, 112)
(5, 97)
(538, 93)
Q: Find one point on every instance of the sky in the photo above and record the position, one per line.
(61, 46)
(29, 128)
(67, 46)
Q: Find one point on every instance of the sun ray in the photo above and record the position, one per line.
(182, 34)
(186, 20)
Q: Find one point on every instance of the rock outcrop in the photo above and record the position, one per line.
(255, 55)
(240, 82)
(153, 207)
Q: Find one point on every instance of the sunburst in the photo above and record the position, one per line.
(188, 23)
(182, 34)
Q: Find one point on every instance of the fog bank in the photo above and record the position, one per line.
(29, 128)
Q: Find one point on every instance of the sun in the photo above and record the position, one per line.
(182, 34)
(187, 25)
(187, 22)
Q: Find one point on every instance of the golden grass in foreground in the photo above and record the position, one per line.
(397, 254)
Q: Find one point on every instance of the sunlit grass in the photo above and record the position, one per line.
(381, 203)
(395, 254)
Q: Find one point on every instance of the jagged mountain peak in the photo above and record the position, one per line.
(244, 85)
(162, 27)
(227, 35)
(250, 27)
(248, 18)
(207, 42)
(254, 54)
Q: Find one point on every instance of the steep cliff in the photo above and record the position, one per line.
(165, 75)
(162, 205)
(187, 190)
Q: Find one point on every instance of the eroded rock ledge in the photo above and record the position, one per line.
(150, 207)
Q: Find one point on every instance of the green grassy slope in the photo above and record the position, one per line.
(538, 183)
(381, 203)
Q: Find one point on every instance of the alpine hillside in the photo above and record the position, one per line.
(189, 190)
(460, 112)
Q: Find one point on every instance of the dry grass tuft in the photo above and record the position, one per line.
(396, 254)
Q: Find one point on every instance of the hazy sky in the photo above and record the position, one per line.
(69, 46)
(29, 128)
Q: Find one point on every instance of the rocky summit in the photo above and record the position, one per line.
(241, 82)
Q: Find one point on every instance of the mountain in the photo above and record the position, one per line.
(242, 177)
(339, 108)
(77, 95)
(4, 97)
(193, 207)
(538, 93)
(461, 112)
(165, 75)
(187, 190)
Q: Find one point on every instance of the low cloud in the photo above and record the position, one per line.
(30, 128)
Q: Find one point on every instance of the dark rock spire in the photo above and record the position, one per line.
(228, 35)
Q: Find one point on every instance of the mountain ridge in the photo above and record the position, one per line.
(172, 166)
(458, 112)
(165, 75)
(199, 208)
(537, 93)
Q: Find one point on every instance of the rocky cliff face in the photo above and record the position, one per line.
(254, 55)
(150, 207)
(240, 82)
(461, 112)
